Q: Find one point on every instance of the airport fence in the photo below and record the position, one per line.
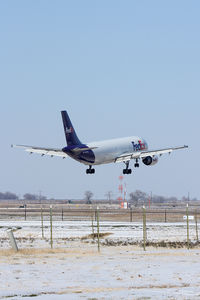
(96, 216)
(116, 215)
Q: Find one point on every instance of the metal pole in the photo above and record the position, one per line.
(62, 214)
(12, 240)
(98, 229)
(196, 223)
(42, 223)
(187, 214)
(144, 228)
(150, 200)
(165, 216)
(51, 229)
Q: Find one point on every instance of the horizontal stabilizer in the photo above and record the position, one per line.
(79, 150)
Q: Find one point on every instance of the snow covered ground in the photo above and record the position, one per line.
(75, 270)
(30, 233)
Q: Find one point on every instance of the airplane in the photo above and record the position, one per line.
(102, 152)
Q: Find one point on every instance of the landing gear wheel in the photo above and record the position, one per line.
(90, 170)
(127, 171)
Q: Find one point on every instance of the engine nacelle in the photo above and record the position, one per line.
(150, 160)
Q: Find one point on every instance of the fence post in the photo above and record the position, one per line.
(196, 223)
(12, 239)
(51, 229)
(92, 227)
(42, 223)
(97, 211)
(62, 214)
(187, 214)
(25, 212)
(144, 228)
(165, 216)
(131, 215)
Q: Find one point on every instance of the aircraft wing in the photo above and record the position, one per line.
(143, 154)
(43, 151)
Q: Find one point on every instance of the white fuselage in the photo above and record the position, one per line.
(107, 151)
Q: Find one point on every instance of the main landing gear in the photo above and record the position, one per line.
(127, 170)
(136, 165)
(90, 170)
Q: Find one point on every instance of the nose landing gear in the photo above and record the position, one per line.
(90, 170)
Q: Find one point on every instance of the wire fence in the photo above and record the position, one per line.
(126, 227)
(120, 215)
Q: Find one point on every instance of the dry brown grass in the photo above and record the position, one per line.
(90, 290)
(44, 251)
(85, 212)
(95, 235)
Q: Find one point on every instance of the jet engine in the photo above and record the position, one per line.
(150, 160)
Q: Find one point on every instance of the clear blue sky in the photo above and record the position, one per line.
(120, 68)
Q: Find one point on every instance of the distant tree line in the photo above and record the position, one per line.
(8, 196)
(136, 198)
(27, 196)
(140, 198)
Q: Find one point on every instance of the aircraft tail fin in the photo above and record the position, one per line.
(70, 134)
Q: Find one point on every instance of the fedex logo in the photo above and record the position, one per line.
(69, 130)
(139, 146)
